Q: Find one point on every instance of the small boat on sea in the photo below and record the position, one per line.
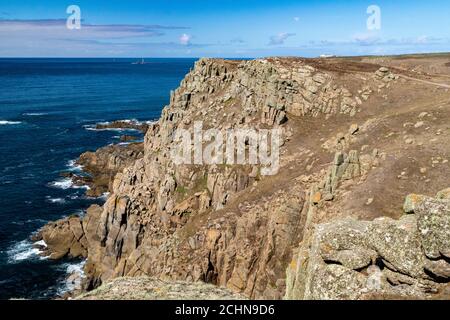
(140, 62)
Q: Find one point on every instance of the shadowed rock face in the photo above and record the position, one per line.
(351, 259)
(229, 226)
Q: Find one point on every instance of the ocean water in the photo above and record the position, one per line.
(46, 109)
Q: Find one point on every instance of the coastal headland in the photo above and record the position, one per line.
(359, 136)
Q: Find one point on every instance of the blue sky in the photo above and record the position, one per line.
(173, 28)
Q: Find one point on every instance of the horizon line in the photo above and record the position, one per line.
(255, 57)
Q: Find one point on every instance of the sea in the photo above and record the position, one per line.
(48, 112)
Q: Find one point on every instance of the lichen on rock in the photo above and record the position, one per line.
(351, 259)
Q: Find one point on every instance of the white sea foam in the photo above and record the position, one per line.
(130, 121)
(41, 243)
(80, 213)
(76, 267)
(75, 274)
(105, 196)
(56, 200)
(24, 250)
(29, 221)
(5, 122)
(94, 128)
(35, 114)
(67, 183)
(73, 166)
(74, 196)
(85, 187)
(62, 184)
(129, 142)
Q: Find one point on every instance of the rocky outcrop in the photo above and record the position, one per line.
(64, 238)
(144, 288)
(297, 89)
(385, 75)
(123, 124)
(345, 167)
(101, 167)
(384, 258)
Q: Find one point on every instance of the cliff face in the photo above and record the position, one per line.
(231, 225)
(159, 220)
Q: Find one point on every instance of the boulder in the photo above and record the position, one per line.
(64, 238)
(380, 259)
(412, 201)
(433, 221)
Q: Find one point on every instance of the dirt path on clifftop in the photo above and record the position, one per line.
(426, 82)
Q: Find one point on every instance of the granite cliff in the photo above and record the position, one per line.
(350, 128)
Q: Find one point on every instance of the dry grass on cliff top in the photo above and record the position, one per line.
(144, 288)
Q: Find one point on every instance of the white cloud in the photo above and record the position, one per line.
(280, 38)
(185, 39)
(373, 39)
(366, 39)
(237, 41)
(51, 37)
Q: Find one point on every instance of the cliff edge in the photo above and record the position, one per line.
(357, 136)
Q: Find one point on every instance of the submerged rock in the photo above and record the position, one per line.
(123, 124)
